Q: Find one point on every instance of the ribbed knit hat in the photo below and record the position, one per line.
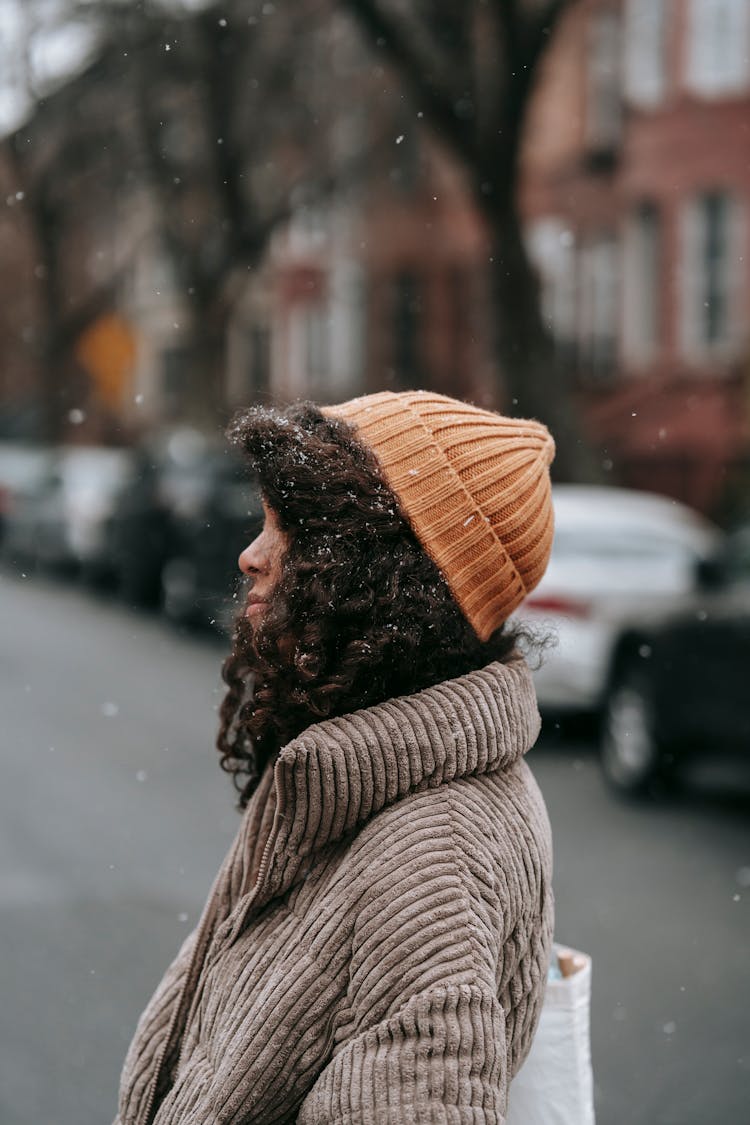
(474, 487)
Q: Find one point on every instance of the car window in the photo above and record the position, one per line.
(737, 556)
(23, 468)
(101, 471)
(618, 545)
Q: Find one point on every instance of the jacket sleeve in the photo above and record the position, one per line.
(440, 1059)
(426, 1038)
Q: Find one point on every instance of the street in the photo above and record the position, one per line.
(114, 817)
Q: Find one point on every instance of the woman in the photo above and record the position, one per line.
(375, 946)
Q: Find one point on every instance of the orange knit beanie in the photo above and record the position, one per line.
(474, 487)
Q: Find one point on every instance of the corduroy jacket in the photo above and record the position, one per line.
(375, 946)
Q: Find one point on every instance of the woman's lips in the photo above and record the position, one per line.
(254, 605)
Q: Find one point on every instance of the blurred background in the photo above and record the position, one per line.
(538, 205)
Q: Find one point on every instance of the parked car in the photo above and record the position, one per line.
(92, 478)
(678, 681)
(214, 517)
(140, 531)
(58, 521)
(615, 552)
(35, 533)
(177, 527)
(22, 468)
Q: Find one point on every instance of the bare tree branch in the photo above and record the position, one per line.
(542, 29)
(511, 37)
(524, 33)
(508, 18)
(413, 66)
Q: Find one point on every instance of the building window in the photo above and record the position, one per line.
(604, 116)
(599, 306)
(642, 284)
(711, 272)
(551, 247)
(309, 229)
(715, 220)
(347, 326)
(718, 46)
(407, 330)
(317, 348)
(646, 23)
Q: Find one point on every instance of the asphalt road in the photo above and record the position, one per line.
(114, 817)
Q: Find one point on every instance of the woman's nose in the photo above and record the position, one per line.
(250, 561)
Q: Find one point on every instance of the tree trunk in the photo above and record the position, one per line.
(535, 382)
(205, 375)
(51, 359)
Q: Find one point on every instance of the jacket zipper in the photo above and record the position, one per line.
(234, 933)
(148, 1115)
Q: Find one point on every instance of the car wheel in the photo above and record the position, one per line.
(633, 760)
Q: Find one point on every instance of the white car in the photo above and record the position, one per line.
(58, 519)
(22, 468)
(91, 477)
(615, 551)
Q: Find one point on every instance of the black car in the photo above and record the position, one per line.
(679, 684)
(178, 527)
(141, 533)
(215, 516)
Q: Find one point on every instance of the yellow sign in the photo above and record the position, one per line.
(107, 350)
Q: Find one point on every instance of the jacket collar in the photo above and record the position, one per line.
(340, 773)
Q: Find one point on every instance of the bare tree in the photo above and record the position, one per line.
(65, 163)
(224, 114)
(470, 70)
(237, 132)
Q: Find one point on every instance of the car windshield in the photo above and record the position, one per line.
(101, 469)
(23, 468)
(618, 545)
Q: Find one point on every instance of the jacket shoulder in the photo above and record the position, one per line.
(455, 882)
(490, 829)
(488, 811)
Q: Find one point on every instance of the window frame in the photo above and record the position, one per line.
(642, 280)
(599, 351)
(645, 55)
(697, 345)
(725, 72)
(604, 116)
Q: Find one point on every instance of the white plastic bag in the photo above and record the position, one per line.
(555, 1085)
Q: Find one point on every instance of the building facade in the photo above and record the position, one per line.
(635, 192)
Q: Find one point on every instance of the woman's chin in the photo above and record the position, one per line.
(255, 611)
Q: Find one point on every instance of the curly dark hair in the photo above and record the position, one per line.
(361, 613)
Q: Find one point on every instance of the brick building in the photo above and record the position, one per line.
(381, 292)
(635, 191)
